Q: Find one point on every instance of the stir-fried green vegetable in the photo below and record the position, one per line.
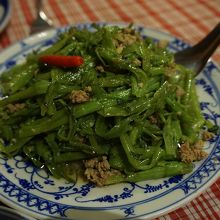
(122, 115)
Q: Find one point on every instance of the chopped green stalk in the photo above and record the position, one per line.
(89, 107)
(36, 89)
(139, 165)
(124, 103)
(192, 119)
(97, 148)
(70, 156)
(19, 80)
(119, 128)
(149, 105)
(14, 146)
(113, 111)
(44, 124)
(170, 138)
(86, 108)
(117, 80)
(55, 48)
(160, 171)
(43, 151)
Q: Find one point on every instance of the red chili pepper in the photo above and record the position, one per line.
(62, 61)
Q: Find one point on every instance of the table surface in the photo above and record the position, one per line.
(189, 20)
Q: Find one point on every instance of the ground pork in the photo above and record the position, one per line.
(163, 43)
(141, 84)
(170, 70)
(98, 170)
(100, 69)
(119, 48)
(128, 30)
(206, 135)
(79, 96)
(189, 153)
(153, 119)
(127, 39)
(88, 89)
(137, 62)
(15, 107)
(180, 91)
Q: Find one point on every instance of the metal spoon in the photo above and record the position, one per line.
(196, 57)
(42, 22)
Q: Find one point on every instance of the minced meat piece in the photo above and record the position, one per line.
(141, 84)
(128, 30)
(199, 154)
(126, 38)
(162, 43)
(137, 62)
(170, 70)
(100, 69)
(180, 91)
(15, 107)
(206, 135)
(98, 170)
(88, 89)
(189, 153)
(79, 96)
(119, 48)
(199, 144)
(91, 163)
(153, 119)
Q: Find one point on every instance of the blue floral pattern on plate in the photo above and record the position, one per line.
(33, 191)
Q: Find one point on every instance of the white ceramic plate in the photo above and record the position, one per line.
(5, 13)
(35, 193)
(12, 214)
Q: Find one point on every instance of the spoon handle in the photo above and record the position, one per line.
(209, 44)
(38, 6)
(197, 56)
